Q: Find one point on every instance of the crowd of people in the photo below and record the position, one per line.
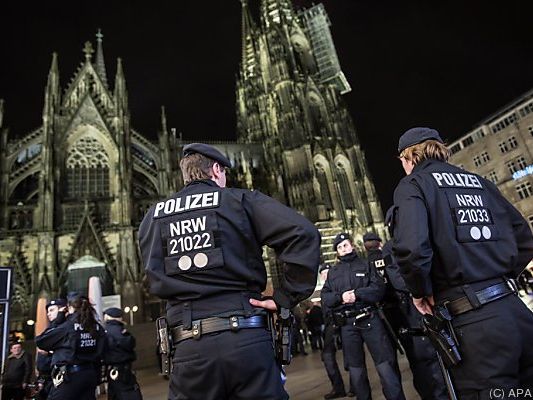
(450, 269)
(75, 354)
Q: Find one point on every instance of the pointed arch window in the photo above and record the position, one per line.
(87, 170)
(344, 186)
(324, 187)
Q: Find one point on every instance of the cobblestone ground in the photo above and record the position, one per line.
(307, 379)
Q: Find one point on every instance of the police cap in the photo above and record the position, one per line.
(57, 302)
(341, 237)
(417, 135)
(114, 312)
(208, 151)
(367, 237)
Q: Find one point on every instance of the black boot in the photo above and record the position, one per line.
(335, 395)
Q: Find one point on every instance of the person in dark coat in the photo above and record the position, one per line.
(351, 291)
(77, 345)
(460, 244)
(315, 323)
(402, 314)
(202, 250)
(17, 373)
(119, 354)
(56, 313)
(330, 347)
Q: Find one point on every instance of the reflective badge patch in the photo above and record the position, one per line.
(471, 216)
(190, 243)
(359, 274)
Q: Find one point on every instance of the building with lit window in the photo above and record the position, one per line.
(500, 149)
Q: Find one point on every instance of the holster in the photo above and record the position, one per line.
(281, 330)
(59, 375)
(164, 344)
(440, 332)
(339, 319)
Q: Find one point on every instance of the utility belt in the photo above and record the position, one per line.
(61, 373)
(475, 299)
(216, 324)
(120, 371)
(340, 317)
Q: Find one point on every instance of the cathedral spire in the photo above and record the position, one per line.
(52, 92)
(163, 120)
(276, 11)
(121, 95)
(1, 113)
(100, 63)
(248, 30)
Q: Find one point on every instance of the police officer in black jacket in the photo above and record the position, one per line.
(402, 314)
(56, 312)
(330, 346)
(351, 290)
(459, 244)
(202, 251)
(119, 354)
(77, 345)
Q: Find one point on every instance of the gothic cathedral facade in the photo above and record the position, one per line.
(74, 190)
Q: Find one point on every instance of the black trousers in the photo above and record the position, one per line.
(330, 361)
(125, 387)
(226, 365)
(372, 332)
(79, 385)
(497, 349)
(427, 376)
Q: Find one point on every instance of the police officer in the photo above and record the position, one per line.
(77, 345)
(401, 313)
(459, 243)
(330, 347)
(119, 354)
(56, 313)
(202, 250)
(351, 291)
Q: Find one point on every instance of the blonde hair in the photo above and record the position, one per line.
(428, 149)
(196, 166)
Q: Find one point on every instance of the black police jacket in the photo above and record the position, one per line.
(352, 272)
(392, 269)
(71, 343)
(202, 249)
(120, 344)
(452, 227)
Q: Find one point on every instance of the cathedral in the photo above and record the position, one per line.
(74, 190)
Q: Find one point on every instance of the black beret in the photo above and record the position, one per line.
(371, 236)
(417, 135)
(341, 237)
(208, 151)
(57, 302)
(323, 267)
(114, 312)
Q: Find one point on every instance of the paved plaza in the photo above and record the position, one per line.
(307, 379)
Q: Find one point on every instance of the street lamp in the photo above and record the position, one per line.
(131, 310)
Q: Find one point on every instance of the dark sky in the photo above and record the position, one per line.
(445, 64)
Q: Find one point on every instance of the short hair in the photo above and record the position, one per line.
(428, 149)
(372, 244)
(196, 166)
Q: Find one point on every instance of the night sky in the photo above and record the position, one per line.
(443, 64)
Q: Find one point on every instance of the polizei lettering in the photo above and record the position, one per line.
(447, 179)
(189, 202)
